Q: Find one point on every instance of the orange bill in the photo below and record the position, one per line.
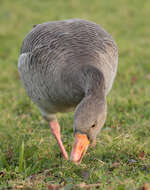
(79, 148)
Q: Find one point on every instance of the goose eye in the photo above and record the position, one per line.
(93, 126)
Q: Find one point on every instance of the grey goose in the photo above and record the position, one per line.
(67, 65)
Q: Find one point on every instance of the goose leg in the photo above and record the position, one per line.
(55, 128)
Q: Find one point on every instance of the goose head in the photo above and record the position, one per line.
(89, 118)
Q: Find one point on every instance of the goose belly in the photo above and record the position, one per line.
(50, 95)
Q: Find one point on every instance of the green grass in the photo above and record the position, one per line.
(29, 155)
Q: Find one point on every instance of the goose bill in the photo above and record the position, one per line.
(79, 148)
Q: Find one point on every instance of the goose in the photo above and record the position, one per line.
(70, 65)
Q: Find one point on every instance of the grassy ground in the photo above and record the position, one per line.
(29, 156)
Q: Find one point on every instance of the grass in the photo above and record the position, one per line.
(29, 156)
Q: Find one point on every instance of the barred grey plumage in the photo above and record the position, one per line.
(64, 64)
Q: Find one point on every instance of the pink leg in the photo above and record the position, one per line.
(55, 128)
